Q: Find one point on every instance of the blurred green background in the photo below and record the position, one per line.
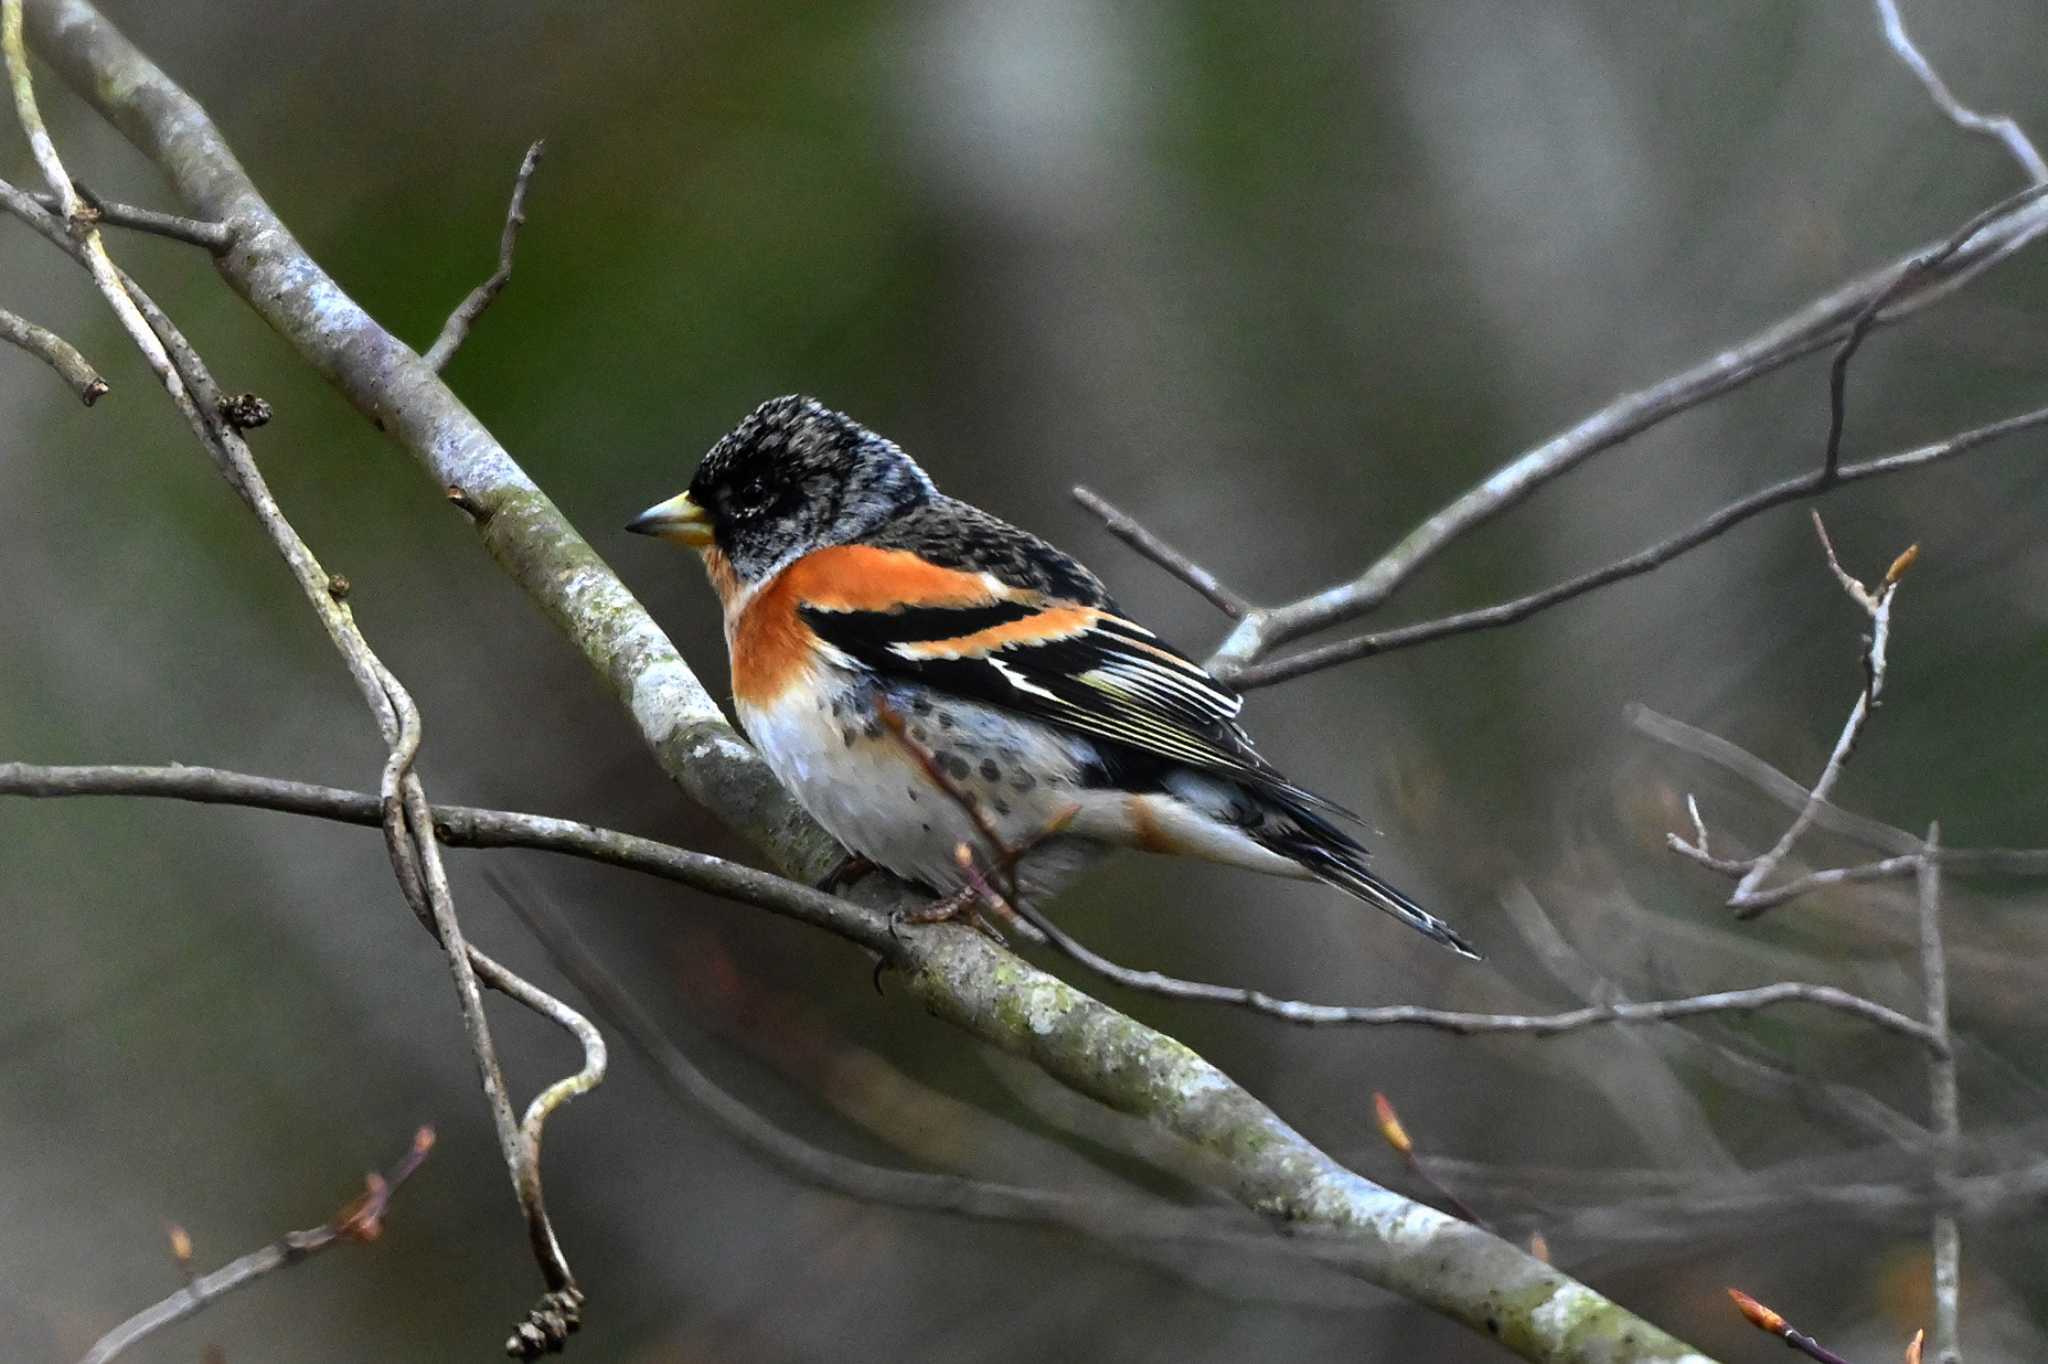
(1279, 280)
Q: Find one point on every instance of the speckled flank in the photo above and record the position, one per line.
(828, 744)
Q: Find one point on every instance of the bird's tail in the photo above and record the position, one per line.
(1274, 816)
(1332, 856)
(1345, 869)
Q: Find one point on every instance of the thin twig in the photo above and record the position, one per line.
(1642, 561)
(1466, 1024)
(1821, 323)
(1944, 1109)
(456, 329)
(215, 237)
(461, 826)
(360, 1220)
(1999, 127)
(1126, 528)
(54, 351)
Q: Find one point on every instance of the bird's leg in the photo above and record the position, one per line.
(943, 910)
(849, 869)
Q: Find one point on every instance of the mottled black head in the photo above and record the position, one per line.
(793, 477)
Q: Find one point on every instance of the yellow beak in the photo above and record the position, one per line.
(678, 519)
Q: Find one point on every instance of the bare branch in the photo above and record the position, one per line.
(415, 857)
(1642, 561)
(1997, 126)
(1821, 323)
(465, 826)
(1466, 1024)
(462, 826)
(1945, 1109)
(54, 351)
(1120, 524)
(215, 237)
(1885, 869)
(361, 1220)
(456, 329)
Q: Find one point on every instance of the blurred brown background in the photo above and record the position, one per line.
(1280, 280)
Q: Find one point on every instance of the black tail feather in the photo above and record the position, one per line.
(1342, 872)
(1335, 858)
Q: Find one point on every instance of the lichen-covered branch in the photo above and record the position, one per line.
(1422, 1254)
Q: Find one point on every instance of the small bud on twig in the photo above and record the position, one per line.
(1914, 1345)
(1391, 1130)
(1907, 558)
(1760, 1316)
(1539, 1246)
(181, 1247)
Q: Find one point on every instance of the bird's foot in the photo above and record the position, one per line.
(965, 904)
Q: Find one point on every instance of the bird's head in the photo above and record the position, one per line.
(794, 476)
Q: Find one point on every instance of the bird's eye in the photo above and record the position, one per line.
(751, 496)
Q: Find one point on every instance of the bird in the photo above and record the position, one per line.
(921, 675)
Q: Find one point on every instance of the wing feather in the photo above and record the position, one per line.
(1074, 665)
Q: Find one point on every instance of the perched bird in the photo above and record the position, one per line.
(866, 612)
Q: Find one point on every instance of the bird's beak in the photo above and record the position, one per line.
(678, 519)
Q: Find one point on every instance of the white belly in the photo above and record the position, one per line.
(829, 746)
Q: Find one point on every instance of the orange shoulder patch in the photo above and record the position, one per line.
(862, 578)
